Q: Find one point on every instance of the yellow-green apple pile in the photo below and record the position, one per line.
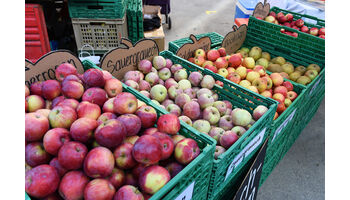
(288, 21)
(247, 67)
(190, 97)
(87, 139)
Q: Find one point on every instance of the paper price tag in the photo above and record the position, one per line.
(314, 87)
(284, 124)
(254, 143)
(187, 193)
(235, 162)
(245, 152)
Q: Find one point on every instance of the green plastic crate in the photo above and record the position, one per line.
(105, 9)
(135, 20)
(242, 98)
(198, 171)
(215, 38)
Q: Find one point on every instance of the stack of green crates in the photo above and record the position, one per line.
(134, 16)
(96, 9)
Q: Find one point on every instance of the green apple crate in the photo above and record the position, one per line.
(195, 176)
(230, 165)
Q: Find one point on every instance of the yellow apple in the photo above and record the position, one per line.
(245, 83)
(223, 72)
(242, 72)
(251, 76)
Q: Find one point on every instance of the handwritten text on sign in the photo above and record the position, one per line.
(234, 39)
(187, 50)
(249, 188)
(187, 193)
(252, 145)
(284, 124)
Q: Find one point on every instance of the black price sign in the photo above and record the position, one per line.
(249, 187)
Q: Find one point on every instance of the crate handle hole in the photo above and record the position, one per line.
(97, 23)
(95, 7)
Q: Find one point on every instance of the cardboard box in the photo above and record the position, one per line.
(156, 34)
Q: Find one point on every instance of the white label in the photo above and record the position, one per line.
(254, 143)
(284, 124)
(235, 162)
(245, 152)
(187, 193)
(314, 87)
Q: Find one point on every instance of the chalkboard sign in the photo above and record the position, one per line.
(249, 188)
(121, 60)
(44, 68)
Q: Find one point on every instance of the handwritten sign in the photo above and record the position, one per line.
(121, 60)
(187, 50)
(249, 188)
(251, 146)
(284, 124)
(261, 10)
(234, 39)
(187, 193)
(44, 68)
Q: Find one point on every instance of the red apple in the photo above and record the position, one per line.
(94, 78)
(304, 29)
(186, 150)
(36, 126)
(95, 95)
(73, 184)
(57, 100)
(174, 168)
(128, 192)
(138, 169)
(149, 131)
(169, 123)
(322, 31)
(131, 122)
(106, 75)
(117, 178)
(213, 54)
(82, 130)
(221, 63)
(281, 89)
(50, 89)
(314, 31)
(153, 178)
(56, 164)
(234, 77)
(72, 77)
(125, 103)
(54, 139)
(62, 117)
(222, 51)
(228, 139)
(64, 70)
(147, 115)
(167, 144)
(289, 17)
(278, 97)
(35, 103)
(108, 106)
(299, 22)
(73, 103)
(35, 154)
(71, 155)
(99, 189)
(281, 107)
(105, 117)
(89, 110)
(113, 87)
(177, 138)
(235, 60)
(99, 163)
(322, 36)
(288, 85)
(110, 134)
(292, 95)
(41, 181)
(72, 89)
(35, 88)
(192, 110)
(123, 156)
(153, 153)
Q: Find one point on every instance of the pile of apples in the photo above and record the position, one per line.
(190, 97)
(247, 68)
(287, 20)
(86, 138)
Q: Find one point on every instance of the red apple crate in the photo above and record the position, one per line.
(224, 174)
(197, 172)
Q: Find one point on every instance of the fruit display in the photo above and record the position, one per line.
(191, 98)
(248, 67)
(298, 24)
(87, 139)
